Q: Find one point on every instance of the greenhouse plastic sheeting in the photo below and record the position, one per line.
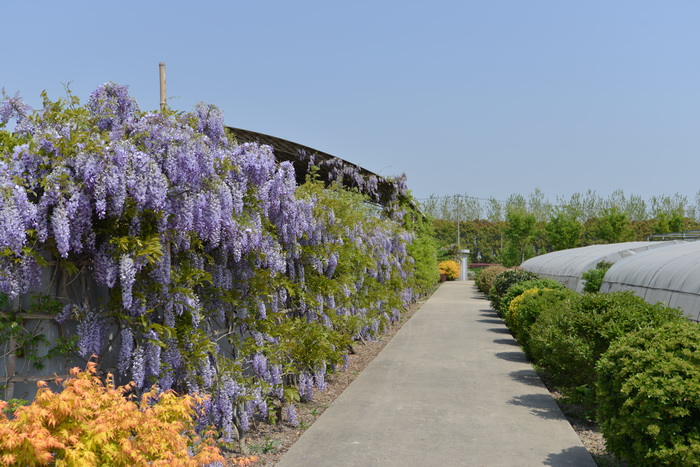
(567, 266)
(669, 275)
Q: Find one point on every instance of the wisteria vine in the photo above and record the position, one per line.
(221, 275)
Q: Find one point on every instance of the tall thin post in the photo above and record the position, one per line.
(459, 219)
(163, 99)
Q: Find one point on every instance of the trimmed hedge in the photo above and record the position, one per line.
(568, 341)
(648, 395)
(487, 277)
(528, 306)
(518, 288)
(504, 281)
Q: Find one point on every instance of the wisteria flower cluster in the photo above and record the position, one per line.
(223, 276)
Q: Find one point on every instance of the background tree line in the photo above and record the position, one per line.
(521, 227)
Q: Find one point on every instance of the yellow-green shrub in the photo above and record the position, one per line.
(91, 423)
(517, 301)
(449, 268)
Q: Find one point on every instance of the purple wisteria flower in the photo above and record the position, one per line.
(125, 351)
(290, 414)
(127, 277)
(12, 107)
(138, 366)
(112, 106)
(91, 333)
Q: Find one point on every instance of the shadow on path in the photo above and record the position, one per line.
(569, 456)
(517, 357)
(490, 321)
(500, 331)
(528, 376)
(489, 312)
(541, 405)
(505, 341)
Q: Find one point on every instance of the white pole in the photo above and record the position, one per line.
(464, 265)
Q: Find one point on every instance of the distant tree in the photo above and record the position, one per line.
(564, 229)
(668, 213)
(518, 235)
(613, 226)
(494, 210)
(668, 222)
(484, 240)
(636, 208)
(539, 205)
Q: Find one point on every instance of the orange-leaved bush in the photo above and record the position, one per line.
(91, 423)
(450, 269)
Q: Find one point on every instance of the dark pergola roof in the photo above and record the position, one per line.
(381, 189)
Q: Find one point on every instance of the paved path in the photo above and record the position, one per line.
(452, 388)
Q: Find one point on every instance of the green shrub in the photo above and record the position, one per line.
(503, 282)
(568, 342)
(520, 287)
(530, 307)
(648, 394)
(593, 278)
(487, 277)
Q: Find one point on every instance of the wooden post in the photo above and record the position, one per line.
(11, 364)
(12, 357)
(163, 100)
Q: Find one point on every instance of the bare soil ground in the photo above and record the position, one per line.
(269, 443)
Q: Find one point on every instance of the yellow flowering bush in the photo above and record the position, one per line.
(450, 269)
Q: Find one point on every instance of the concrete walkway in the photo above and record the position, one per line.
(452, 388)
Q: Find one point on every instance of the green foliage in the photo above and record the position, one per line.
(266, 447)
(518, 235)
(568, 341)
(584, 219)
(14, 404)
(487, 278)
(307, 346)
(668, 222)
(564, 229)
(518, 288)
(482, 238)
(613, 226)
(648, 394)
(422, 249)
(28, 335)
(503, 282)
(593, 279)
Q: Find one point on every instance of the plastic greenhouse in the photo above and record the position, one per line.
(567, 266)
(670, 275)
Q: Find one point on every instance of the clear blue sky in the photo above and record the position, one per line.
(487, 97)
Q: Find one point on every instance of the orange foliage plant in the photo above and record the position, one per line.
(91, 423)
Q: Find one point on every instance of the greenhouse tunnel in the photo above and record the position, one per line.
(567, 266)
(670, 275)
